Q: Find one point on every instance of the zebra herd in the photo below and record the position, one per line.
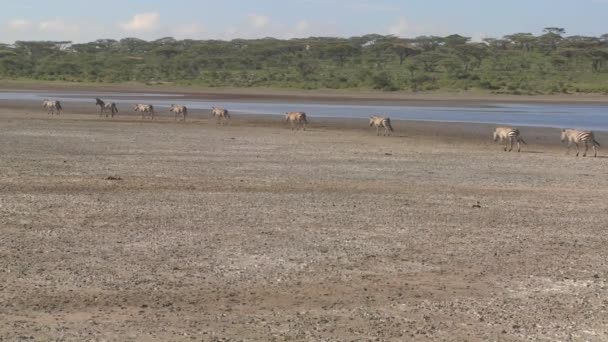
(110, 109)
(297, 121)
(573, 136)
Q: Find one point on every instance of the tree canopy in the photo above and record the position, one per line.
(517, 63)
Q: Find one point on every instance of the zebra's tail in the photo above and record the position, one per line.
(596, 143)
(58, 104)
(523, 141)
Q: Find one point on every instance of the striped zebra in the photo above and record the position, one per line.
(509, 135)
(51, 106)
(296, 120)
(143, 109)
(577, 137)
(179, 110)
(221, 114)
(103, 107)
(379, 121)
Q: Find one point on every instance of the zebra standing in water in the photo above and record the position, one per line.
(179, 110)
(52, 106)
(143, 109)
(296, 120)
(103, 107)
(379, 121)
(509, 135)
(221, 114)
(577, 136)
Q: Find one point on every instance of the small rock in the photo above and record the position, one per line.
(113, 178)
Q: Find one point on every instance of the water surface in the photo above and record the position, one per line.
(583, 116)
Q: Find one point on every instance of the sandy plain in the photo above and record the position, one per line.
(131, 230)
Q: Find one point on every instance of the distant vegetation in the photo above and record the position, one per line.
(520, 63)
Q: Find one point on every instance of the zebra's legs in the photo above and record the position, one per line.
(577, 149)
(586, 149)
(518, 147)
(594, 151)
(506, 144)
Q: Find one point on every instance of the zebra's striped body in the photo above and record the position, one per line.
(104, 107)
(297, 120)
(52, 106)
(379, 121)
(580, 137)
(143, 109)
(179, 110)
(509, 135)
(221, 114)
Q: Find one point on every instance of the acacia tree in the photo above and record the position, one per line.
(524, 41)
(551, 38)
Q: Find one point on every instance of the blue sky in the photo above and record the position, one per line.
(76, 20)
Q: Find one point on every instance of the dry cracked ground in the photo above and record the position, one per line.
(137, 231)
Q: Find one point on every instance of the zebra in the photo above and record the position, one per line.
(179, 110)
(509, 135)
(296, 120)
(103, 107)
(52, 106)
(577, 136)
(143, 109)
(222, 115)
(379, 121)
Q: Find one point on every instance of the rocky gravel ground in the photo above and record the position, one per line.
(127, 230)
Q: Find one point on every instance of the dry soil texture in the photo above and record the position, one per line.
(131, 230)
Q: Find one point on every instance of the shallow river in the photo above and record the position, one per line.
(584, 116)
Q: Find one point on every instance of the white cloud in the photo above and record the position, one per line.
(19, 25)
(57, 26)
(143, 22)
(400, 28)
(302, 26)
(258, 21)
(188, 31)
(478, 37)
(404, 28)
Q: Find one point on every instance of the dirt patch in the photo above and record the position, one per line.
(255, 232)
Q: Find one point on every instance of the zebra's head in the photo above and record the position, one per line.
(495, 135)
(563, 135)
(371, 120)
